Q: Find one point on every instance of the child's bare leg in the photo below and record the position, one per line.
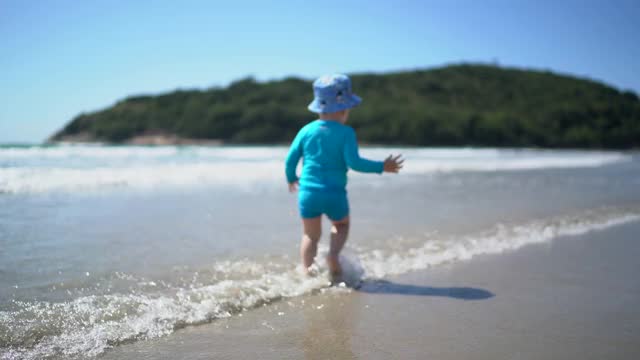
(339, 233)
(309, 247)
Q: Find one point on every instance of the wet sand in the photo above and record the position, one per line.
(574, 298)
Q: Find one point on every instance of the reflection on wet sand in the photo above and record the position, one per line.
(329, 327)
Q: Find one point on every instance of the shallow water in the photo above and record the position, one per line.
(106, 245)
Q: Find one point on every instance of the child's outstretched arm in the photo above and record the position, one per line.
(353, 159)
(357, 163)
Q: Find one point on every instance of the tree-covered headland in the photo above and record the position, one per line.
(470, 105)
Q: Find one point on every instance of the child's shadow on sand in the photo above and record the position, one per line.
(388, 287)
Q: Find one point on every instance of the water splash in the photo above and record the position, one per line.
(89, 325)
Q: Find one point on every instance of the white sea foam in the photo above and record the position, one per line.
(73, 168)
(88, 325)
(38, 180)
(86, 151)
(140, 152)
(497, 240)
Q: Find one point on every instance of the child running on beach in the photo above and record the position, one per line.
(328, 148)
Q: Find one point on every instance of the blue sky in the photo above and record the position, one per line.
(61, 58)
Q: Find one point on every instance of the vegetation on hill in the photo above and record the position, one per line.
(477, 105)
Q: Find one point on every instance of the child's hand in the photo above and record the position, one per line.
(293, 187)
(393, 164)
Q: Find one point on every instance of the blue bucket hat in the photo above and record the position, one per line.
(332, 93)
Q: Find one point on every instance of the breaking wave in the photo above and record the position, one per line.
(74, 168)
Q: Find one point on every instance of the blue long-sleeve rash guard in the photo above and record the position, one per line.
(328, 149)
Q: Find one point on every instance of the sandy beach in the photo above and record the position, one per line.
(573, 298)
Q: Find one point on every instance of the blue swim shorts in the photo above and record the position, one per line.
(315, 203)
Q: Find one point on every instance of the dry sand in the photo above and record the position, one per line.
(574, 298)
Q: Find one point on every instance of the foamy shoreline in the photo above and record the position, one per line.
(573, 298)
(153, 316)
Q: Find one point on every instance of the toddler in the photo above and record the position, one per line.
(328, 148)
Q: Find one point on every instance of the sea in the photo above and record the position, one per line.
(102, 246)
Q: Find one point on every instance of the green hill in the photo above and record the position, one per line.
(476, 105)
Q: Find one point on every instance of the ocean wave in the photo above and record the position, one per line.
(501, 238)
(98, 153)
(73, 168)
(89, 325)
(40, 180)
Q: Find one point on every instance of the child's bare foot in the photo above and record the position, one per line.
(311, 271)
(334, 265)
